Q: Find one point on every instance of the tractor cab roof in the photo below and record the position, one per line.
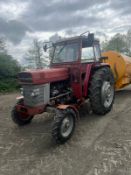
(88, 40)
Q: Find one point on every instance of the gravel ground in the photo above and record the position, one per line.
(99, 146)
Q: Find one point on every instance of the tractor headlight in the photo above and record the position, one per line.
(35, 92)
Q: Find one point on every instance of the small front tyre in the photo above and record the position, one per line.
(18, 117)
(63, 125)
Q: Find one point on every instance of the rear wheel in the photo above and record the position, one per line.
(101, 91)
(20, 118)
(63, 125)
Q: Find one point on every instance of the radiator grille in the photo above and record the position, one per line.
(40, 99)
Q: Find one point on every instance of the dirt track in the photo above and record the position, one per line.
(99, 146)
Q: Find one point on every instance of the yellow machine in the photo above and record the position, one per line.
(121, 67)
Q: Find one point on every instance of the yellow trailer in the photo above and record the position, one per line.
(121, 67)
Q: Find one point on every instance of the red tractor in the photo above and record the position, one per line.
(76, 73)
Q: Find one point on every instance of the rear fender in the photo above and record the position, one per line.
(98, 66)
(89, 70)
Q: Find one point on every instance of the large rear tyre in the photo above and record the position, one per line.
(101, 91)
(63, 125)
(18, 117)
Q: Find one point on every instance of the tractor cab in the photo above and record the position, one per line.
(77, 55)
(81, 49)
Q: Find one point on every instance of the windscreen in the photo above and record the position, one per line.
(66, 52)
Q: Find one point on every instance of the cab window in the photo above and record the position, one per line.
(97, 52)
(87, 54)
(66, 52)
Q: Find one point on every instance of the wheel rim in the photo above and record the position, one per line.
(67, 126)
(107, 94)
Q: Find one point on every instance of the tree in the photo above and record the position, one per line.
(128, 40)
(2, 46)
(9, 69)
(117, 43)
(35, 57)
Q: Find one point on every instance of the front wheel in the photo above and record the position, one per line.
(63, 125)
(101, 91)
(18, 117)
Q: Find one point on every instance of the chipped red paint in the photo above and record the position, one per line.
(77, 90)
(86, 80)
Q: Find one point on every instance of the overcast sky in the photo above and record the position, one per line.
(23, 20)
